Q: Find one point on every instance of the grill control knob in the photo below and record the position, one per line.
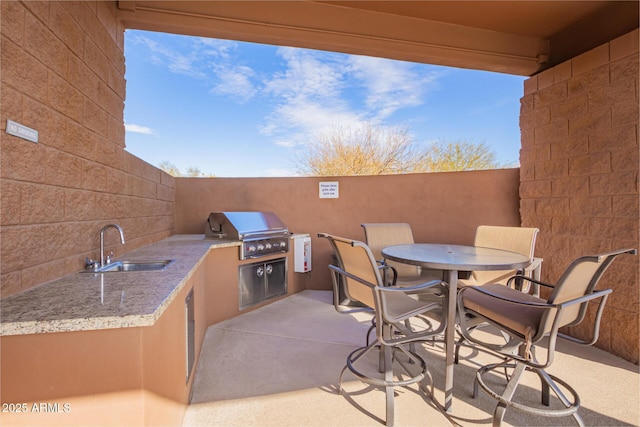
(251, 248)
(260, 247)
(268, 245)
(283, 244)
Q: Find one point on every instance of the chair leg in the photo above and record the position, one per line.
(549, 382)
(456, 355)
(508, 393)
(389, 390)
(544, 382)
(382, 367)
(387, 381)
(544, 387)
(498, 415)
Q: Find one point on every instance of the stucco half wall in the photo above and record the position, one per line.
(441, 207)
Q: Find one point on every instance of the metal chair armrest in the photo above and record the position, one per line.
(585, 298)
(396, 319)
(336, 293)
(503, 298)
(417, 289)
(603, 295)
(513, 283)
(350, 276)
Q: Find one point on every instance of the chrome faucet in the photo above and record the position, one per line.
(117, 227)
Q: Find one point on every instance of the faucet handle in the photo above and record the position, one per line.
(108, 260)
(90, 264)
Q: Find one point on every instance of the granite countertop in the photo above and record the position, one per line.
(87, 301)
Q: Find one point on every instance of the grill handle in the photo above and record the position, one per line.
(212, 228)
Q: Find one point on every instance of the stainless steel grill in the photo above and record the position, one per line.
(261, 233)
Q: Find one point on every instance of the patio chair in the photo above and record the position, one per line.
(380, 235)
(515, 239)
(527, 320)
(343, 302)
(393, 307)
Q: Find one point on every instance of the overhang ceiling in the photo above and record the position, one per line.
(515, 37)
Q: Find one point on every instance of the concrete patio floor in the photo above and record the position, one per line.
(279, 366)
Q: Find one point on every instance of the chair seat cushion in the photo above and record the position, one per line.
(517, 318)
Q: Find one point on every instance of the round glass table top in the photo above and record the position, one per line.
(455, 257)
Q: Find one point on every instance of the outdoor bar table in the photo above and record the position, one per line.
(452, 259)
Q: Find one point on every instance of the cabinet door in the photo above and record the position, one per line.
(191, 335)
(276, 272)
(251, 286)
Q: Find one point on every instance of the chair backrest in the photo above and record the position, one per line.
(355, 258)
(380, 235)
(515, 239)
(579, 279)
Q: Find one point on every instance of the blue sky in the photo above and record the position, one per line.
(236, 109)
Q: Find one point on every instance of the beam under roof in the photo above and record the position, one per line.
(509, 37)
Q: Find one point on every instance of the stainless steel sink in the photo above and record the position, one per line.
(151, 265)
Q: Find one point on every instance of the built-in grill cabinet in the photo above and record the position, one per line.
(261, 235)
(262, 280)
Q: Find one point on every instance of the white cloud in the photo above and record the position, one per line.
(311, 92)
(204, 59)
(308, 75)
(390, 85)
(177, 61)
(308, 96)
(320, 90)
(234, 82)
(304, 120)
(217, 47)
(138, 129)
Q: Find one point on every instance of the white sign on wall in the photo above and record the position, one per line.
(21, 131)
(329, 190)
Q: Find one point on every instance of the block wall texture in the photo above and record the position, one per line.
(579, 175)
(63, 75)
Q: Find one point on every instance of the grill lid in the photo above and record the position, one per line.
(243, 225)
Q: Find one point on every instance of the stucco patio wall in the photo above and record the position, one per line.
(63, 75)
(441, 207)
(579, 174)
